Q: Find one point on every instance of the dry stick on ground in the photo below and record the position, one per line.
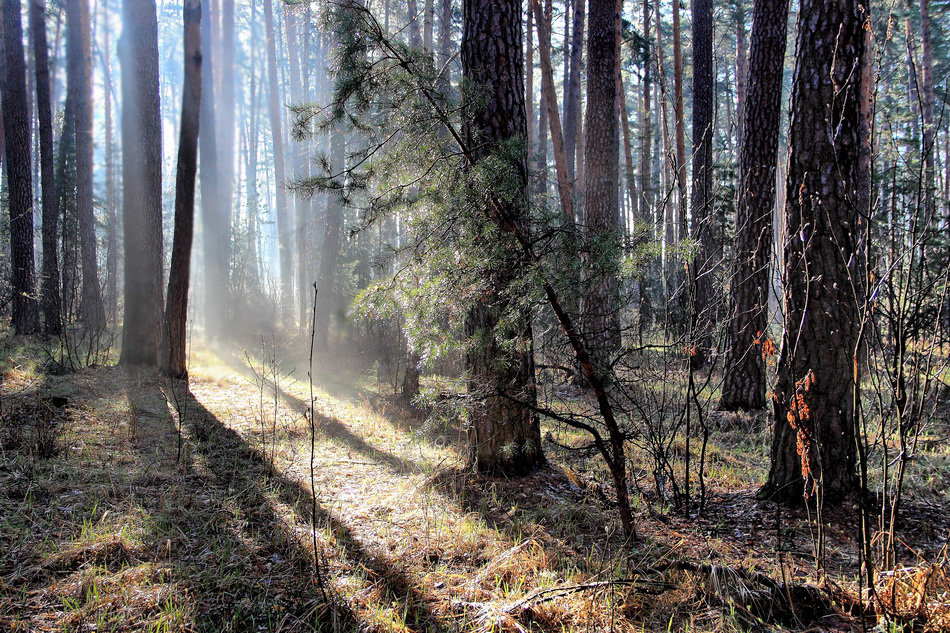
(611, 448)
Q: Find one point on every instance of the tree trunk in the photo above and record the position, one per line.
(16, 123)
(141, 184)
(284, 229)
(601, 204)
(445, 42)
(813, 446)
(554, 117)
(176, 306)
(742, 66)
(326, 278)
(679, 120)
(748, 344)
(79, 74)
(112, 219)
(927, 99)
(50, 283)
(572, 92)
(704, 263)
(504, 434)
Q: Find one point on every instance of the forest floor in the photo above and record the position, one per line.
(134, 503)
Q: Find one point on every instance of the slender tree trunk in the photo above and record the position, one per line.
(445, 42)
(504, 433)
(927, 98)
(415, 37)
(429, 14)
(742, 67)
(112, 219)
(704, 263)
(79, 74)
(283, 219)
(326, 278)
(679, 120)
(747, 348)
(213, 213)
(141, 183)
(50, 282)
(572, 92)
(813, 447)
(176, 306)
(529, 89)
(16, 122)
(554, 117)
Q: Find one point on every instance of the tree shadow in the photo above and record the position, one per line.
(244, 470)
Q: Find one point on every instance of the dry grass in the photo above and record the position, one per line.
(119, 532)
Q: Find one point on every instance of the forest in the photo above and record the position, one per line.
(490, 316)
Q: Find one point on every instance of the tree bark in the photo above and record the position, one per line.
(50, 283)
(284, 229)
(813, 447)
(679, 120)
(176, 306)
(16, 123)
(572, 92)
(141, 183)
(601, 203)
(330, 252)
(704, 264)
(79, 74)
(111, 298)
(748, 345)
(504, 434)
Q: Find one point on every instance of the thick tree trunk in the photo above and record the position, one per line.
(601, 204)
(50, 283)
(813, 447)
(284, 230)
(176, 306)
(141, 183)
(79, 73)
(16, 123)
(748, 345)
(504, 433)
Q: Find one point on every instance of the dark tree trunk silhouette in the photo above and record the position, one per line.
(747, 348)
(16, 124)
(703, 264)
(504, 433)
(813, 446)
(52, 318)
(141, 183)
(176, 303)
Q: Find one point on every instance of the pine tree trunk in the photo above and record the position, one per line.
(176, 307)
(746, 348)
(330, 252)
(572, 92)
(112, 220)
(16, 123)
(927, 98)
(601, 203)
(284, 229)
(703, 266)
(141, 184)
(814, 439)
(79, 73)
(679, 120)
(504, 434)
(50, 282)
(554, 117)
(742, 67)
